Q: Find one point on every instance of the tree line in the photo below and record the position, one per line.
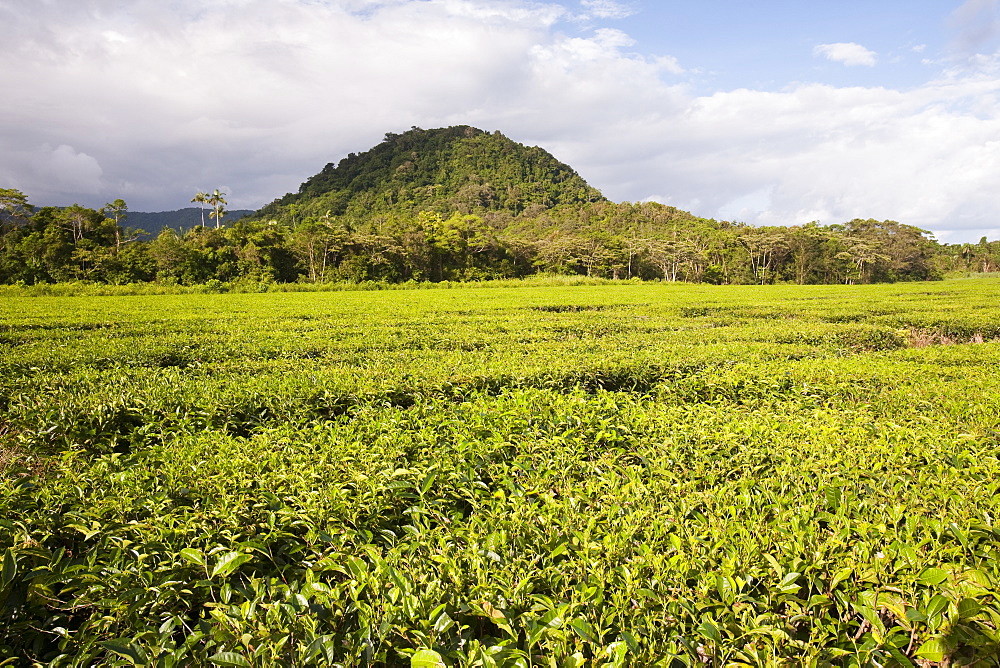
(600, 239)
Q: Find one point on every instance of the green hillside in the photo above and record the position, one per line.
(456, 169)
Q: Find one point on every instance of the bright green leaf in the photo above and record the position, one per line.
(583, 629)
(228, 659)
(709, 630)
(194, 556)
(426, 658)
(840, 576)
(932, 576)
(968, 607)
(228, 563)
(933, 650)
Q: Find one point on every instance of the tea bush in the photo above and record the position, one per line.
(559, 475)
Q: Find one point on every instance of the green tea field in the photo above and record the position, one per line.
(610, 475)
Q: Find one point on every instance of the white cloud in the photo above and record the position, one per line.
(567, 52)
(976, 24)
(607, 9)
(153, 104)
(847, 53)
(748, 206)
(69, 169)
(815, 152)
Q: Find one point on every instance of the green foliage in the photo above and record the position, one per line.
(531, 213)
(459, 169)
(617, 474)
(460, 204)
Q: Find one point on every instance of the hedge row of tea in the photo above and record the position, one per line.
(595, 475)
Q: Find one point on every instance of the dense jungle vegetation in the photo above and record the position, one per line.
(460, 204)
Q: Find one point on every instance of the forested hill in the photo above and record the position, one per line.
(458, 169)
(459, 204)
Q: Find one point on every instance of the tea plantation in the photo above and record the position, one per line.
(633, 474)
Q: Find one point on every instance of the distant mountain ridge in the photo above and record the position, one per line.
(152, 223)
(455, 169)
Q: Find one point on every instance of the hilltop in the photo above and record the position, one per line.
(457, 169)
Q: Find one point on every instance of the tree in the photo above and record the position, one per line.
(988, 255)
(634, 247)
(862, 258)
(181, 260)
(559, 254)
(806, 244)
(130, 264)
(15, 213)
(907, 249)
(669, 256)
(217, 202)
(597, 255)
(201, 199)
(13, 204)
(764, 248)
(118, 210)
(317, 243)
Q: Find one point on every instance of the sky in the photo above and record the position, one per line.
(768, 112)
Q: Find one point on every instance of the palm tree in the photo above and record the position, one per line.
(218, 202)
(201, 198)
